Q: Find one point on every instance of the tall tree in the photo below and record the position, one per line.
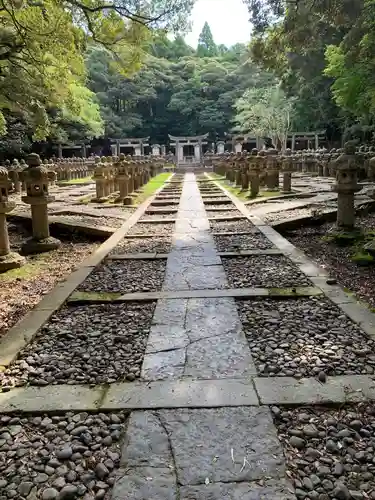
(266, 112)
(206, 45)
(42, 70)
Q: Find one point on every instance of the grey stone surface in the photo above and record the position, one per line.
(188, 277)
(268, 490)
(209, 317)
(339, 389)
(180, 394)
(194, 224)
(170, 312)
(208, 257)
(224, 356)
(50, 398)
(163, 365)
(224, 444)
(146, 443)
(166, 337)
(145, 483)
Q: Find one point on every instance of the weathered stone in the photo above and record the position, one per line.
(199, 435)
(146, 482)
(272, 489)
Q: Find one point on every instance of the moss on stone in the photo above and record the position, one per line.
(94, 296)
(362, 258)
(295, 291)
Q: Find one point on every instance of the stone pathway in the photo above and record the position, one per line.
(199, 453)
(190, 377)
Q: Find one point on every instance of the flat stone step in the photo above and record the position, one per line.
(185, 393)
(84, 297)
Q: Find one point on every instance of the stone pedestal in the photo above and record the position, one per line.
(36, 178)
(8, 260)
(346, 186)
(287, 182)
(287, 167)
(272, 170)
(100, 181)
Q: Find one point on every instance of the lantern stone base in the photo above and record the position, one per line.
(32, 245)
(128, 200)
(10, 261)
(103, 199)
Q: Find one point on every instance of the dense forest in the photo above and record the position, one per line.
(74, 71)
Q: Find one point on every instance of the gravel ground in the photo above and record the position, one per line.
(165, 207)
(242, 242)
(211, 191)
(336, 259)
(213, 200)
(144, 245)
(231, 226)
(68, 456)
(94, 344)
(263, 271)
(159, 229)
(222, 206)
(223, 213)
(286, 214)
(126, 276)
(95, 211)
(21, 290)
(92, 221)
(170, 192)
(170, 216)
(329, 452)
(304, 337)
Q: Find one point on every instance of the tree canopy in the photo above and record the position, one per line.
(177, 91)
(323, 54)
(43, 75)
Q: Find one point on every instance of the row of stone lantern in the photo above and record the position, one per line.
(123, 175)
(36, 178)
(68, 169)
(60, 169)
(245, 171)
(255, 170)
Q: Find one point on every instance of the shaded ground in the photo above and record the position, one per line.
(21, 289)
(336, 259)
(329, 452)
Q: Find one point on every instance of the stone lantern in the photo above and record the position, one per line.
(100, 179)
(263, 167)
(255, 164)
(244, 172)
(287, 168)
(8, 260)
(346, 185)
(36, 180)
(273, 164)
(123, 181)
(14, 175)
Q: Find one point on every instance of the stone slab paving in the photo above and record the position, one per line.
(201, 428)
(227, 452)
(199, 338)
(202, 454)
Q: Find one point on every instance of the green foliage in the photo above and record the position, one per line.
(323, 52)
(43, 91)
(362, 258)
(265, 112)
(206, 45)
(175, 92)
(344, 238)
